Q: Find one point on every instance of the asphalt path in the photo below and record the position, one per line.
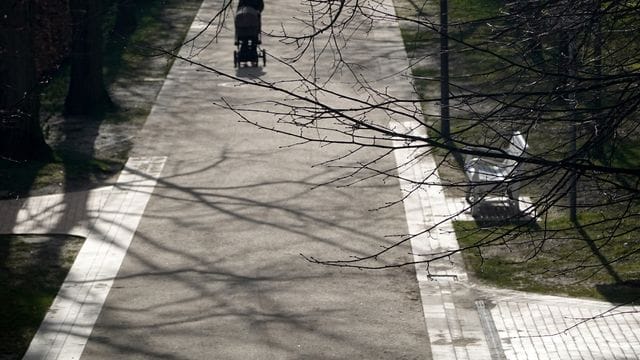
(214, 270)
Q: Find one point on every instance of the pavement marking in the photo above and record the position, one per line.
(454, 333)
(67, 325)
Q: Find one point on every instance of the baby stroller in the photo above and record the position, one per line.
(248, 38)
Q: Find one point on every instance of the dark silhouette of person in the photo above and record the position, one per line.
(255, 4)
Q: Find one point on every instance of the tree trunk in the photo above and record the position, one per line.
(126, 19)
(87, 93)
(20, 133)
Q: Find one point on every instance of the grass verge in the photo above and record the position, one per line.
(558, 259)
(593, 258)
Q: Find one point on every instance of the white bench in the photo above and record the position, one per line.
(495, 176)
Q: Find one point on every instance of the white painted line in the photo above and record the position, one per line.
(426, 209)
(427, 214)
(67, 325)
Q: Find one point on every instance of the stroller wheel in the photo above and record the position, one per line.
(264, 58)
(235, 59)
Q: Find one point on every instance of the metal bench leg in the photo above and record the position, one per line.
(514, 202)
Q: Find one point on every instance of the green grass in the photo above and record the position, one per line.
(123, 56)
(467, 67)
(33, 267)
(469, 10)
(425, 79)
(561, 246)
(415, 39)
(624, 154)
(559, 259)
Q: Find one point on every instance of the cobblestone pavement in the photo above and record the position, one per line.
(545, 327)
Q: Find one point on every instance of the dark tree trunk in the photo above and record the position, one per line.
(126, 19)
(20, 133)
(87, 93)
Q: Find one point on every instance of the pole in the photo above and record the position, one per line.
(444, 71)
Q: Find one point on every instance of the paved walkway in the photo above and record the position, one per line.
(108, 219)
(205, 245)
(470, 322)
